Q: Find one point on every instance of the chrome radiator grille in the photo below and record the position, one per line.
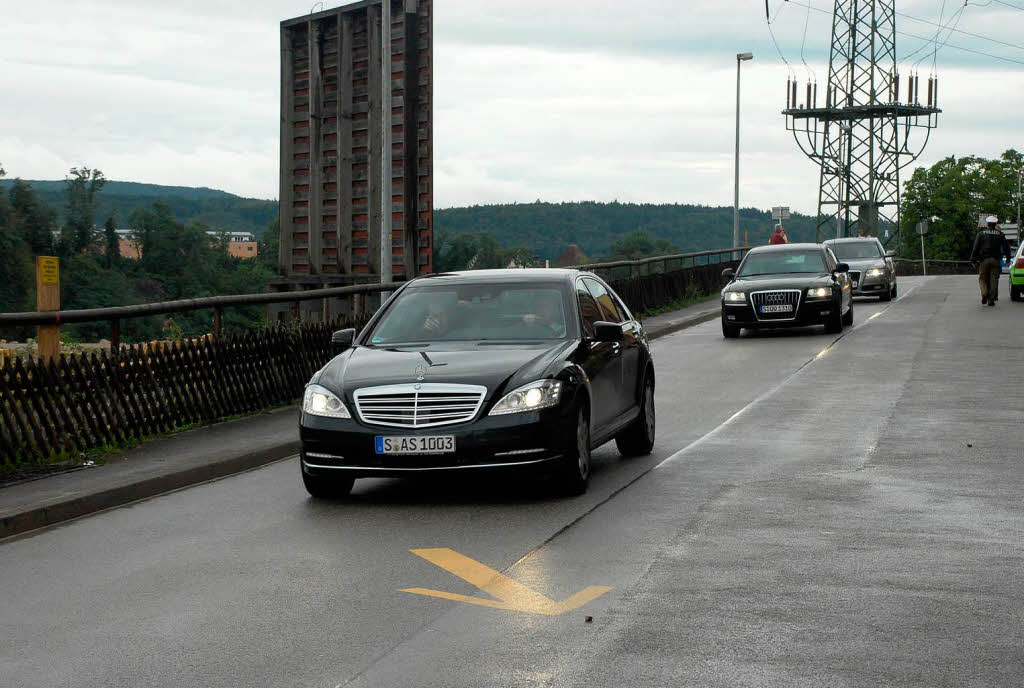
(855, 276)
(419, 405)
(782, 297)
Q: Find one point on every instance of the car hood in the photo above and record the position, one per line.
(866, 264)
(493, 367)
(770, 282)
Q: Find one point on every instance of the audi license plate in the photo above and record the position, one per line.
(437, 444)
(778, 308)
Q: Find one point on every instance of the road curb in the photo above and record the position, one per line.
(56, 512)
(60, 511)
(683, 324)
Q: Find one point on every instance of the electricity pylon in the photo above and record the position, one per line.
(860, 138)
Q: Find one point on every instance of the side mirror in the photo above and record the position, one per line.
(842, 267)
(342, 339)
(728, 274)
(607, 332)
(890, 254)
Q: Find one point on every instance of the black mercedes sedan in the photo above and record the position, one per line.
(787, 285)
(481, 371)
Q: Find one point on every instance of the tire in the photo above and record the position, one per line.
(1016, 293)
(326, 487)
(574, 470)
(638, 438)
(895, 291)
(848, 318)
(834, 324)
(887, 296)
(730, 331)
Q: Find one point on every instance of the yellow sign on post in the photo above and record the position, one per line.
(49, 270)
(47, 300)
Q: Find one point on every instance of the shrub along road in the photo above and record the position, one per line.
(812, 515)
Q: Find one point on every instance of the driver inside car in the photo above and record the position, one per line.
(546, 314)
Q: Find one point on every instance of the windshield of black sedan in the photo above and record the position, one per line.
(782, 263)
(856, 250)
(474, 312)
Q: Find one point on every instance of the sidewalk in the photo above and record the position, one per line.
(196, 456)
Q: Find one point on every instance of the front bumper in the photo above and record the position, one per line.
(808, 313)
(515, 441)
(873, 286)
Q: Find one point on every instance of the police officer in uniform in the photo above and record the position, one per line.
(989, 246)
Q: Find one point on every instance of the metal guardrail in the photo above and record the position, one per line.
(643, 266)
(114, 315)
(906, 266)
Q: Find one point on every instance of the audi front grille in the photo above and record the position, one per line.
(780, 298)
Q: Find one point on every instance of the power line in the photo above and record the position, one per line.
(772, 34)
(934, 39)
(1001, 2)
(803, 42)
(926, 40)
(935, 51)
(966, 33)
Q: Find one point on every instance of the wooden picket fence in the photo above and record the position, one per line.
(82, 402)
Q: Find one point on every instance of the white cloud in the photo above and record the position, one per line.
(600, 100)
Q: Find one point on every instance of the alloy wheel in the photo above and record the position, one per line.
(649, 411)
(583, 445)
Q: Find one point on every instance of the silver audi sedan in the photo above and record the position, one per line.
(872, 270)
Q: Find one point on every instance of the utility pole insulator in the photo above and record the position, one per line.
(859, 139)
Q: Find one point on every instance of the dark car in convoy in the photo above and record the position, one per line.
(481, 371)
(787, 285)
(872, 270)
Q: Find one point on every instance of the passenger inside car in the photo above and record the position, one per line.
(486, 312)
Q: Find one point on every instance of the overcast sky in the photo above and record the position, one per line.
(535, 99)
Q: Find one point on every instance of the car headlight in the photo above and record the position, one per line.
(735, 297)
(876, 272)
(320, 401)
(819, 293)
(531, 397)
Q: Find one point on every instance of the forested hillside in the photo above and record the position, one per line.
(208, 206)
(548, 228)
(64, 218)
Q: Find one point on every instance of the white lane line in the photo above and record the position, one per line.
(821, 354)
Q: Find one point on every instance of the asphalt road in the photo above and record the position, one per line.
(813, 515)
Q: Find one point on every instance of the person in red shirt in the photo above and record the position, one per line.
(778, 236)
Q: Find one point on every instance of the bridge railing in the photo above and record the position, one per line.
(661, 264)
(77, 402)
(934, 267)
(217, 304)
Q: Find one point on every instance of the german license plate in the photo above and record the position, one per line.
(437, 444)
(778, 308)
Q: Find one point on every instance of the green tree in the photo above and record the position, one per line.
(112, 247)
(476, 251)
(81, 189)
(86, 283)
(34, 220)
(268, 246)
(955, 191)
(640, 244)
(16, 274)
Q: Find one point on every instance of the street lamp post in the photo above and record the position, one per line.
(740, 57)
(1020, 235)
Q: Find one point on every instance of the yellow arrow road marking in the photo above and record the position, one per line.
(510, 594)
